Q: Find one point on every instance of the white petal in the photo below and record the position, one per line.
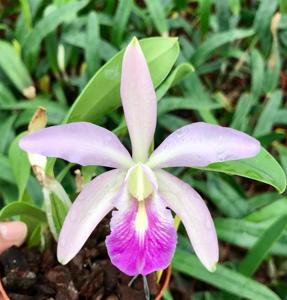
(194, 214)
(91, 206)
(80, 142)
(139, 100)
(200, 144)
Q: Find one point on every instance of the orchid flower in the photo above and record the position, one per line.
(138, 190)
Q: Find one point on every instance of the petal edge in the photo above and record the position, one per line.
(139, 100)
(89, 208)
(194, 214)
(200, 144)
(80, 142)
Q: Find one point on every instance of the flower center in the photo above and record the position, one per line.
(141, 220)
(139, 185)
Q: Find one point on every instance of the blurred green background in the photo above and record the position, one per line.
(50, 49)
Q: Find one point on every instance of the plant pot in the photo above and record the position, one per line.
(164, 282)
(3, 295)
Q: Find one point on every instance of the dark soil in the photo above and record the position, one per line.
(28, 274)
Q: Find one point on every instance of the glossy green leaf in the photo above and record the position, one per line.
(22, 208)
(102, 93)
(172, 103)
(176, 76)
(261, 249)
(20, 165)
(262, 167)
(224, 278)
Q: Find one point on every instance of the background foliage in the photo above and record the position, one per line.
(50, 49)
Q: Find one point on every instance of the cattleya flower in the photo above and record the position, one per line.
(143, 236)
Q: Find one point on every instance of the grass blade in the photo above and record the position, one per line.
(261, 249)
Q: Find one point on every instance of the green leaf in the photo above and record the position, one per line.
(35, 237)
(92, 44)
(22, 208)
(225, 197)
(20, 165)
(222, 14)
(6, 172)
(204, 10)
(56, 112)
(14, 68)
(217, 40)
(261, 249)
(260, 200)
(6, 132)
(272, 74)
(245, 234)
(195, 90)
(172, 122)
(262, 167)
(176, 76)
(257, 73)
(59, 212)
(281, 116)
(283, 6)
(46, 25)
(269, 212)
(262, 22)
(25, 7)
(6, 96)
(268, 115)
(223, 278)
(120, 21)
(282, 150)
(242, 109)
(157, 14)
(102, 93)
(174, 103)
(235, 6)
